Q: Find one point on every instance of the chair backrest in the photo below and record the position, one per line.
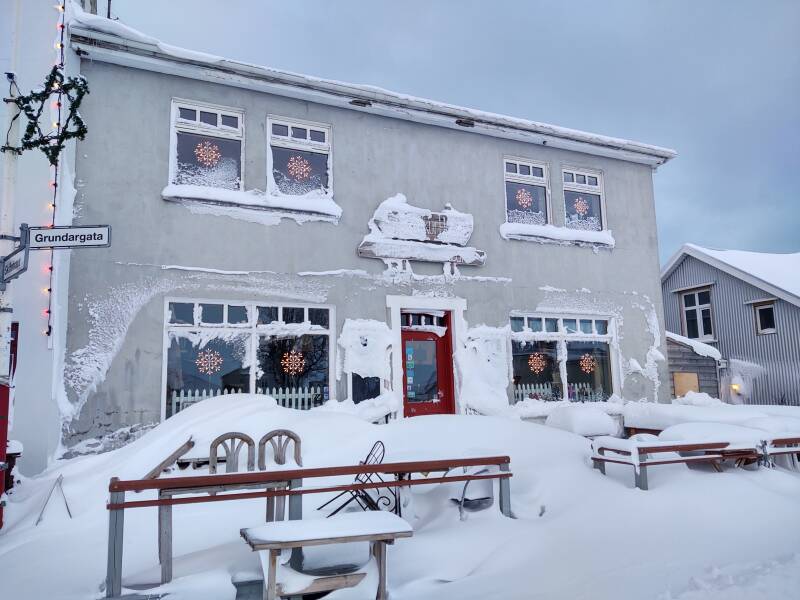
(374, 457)
(232, 443)
(279, 440)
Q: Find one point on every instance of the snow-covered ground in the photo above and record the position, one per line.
(695, 534)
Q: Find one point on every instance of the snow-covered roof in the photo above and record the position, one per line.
(778, 274)
(104, 40)
(697, 347)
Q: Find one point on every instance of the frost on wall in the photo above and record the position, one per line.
(365, 345)
(482, 363)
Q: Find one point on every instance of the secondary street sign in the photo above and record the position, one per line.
(86, 236)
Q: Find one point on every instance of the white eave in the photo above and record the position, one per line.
(155, 56)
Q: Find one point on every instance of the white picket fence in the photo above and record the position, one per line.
(544, 391)
(301, 398)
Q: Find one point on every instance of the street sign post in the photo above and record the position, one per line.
(83, 236)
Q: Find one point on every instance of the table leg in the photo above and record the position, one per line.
(270, 585)
(379, 549)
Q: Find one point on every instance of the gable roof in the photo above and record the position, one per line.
(100, 39)
(778, 274)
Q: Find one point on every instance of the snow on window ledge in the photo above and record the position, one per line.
(234, 203)
(558, 235)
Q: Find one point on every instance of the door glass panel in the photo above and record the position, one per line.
(422, 382)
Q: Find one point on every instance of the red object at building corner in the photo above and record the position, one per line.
(5, 409)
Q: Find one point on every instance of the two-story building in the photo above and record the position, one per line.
(315, 240)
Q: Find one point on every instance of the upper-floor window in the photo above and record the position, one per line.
(698, 321)
(583, 199)
(207, 145)
(526, 186)
(765, 318)
(299, 158)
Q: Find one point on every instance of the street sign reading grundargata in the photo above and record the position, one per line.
(86, 236)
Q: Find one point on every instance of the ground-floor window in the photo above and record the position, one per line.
(557, 358)
(215, 348)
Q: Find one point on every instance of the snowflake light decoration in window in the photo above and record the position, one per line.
(293, 362)
(537, 363)
(524, 198)
(587, 363)
(207, 153)
(208, 362)
(299, 168)
(581, 206)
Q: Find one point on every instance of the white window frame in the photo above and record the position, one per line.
(306, 145)
(179, 125)
(251, 328)
(698, 308)
(757, 311)
(561, 337)
(543, 181)
(599, 189)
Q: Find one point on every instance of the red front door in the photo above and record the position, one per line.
(427, 369)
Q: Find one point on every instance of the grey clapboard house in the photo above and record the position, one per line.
(314, 240)
(747, 306)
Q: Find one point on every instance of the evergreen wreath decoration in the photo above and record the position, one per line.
(71, 89)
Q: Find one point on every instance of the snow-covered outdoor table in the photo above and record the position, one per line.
(377, 527)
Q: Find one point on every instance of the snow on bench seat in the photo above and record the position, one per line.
(346, 525)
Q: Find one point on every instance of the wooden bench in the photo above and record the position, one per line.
(638, 454)
(378, 527)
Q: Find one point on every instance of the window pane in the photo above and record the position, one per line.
(267, 314)
(230, 121)
(583, 211)
(421, 371)
(586, 326)
(524, 170)
(707, 322)
(298, 172)
(294, 366)
(188, 114)
(210, 161)
(591, 180)
(208, 118)
(568, 178)
(196, 372)
(293, 314)
(570, 325)
(588, 371)
(526, 203)
(316, 135)
(691, 324)
(534, 324)
(536, 373)
(365, 388)
(704, 297)
(511, 167)
(688, 300)
(580, 178)
(601, 326)
(766, 316)
(299, 133)
(551, 325)
(517, 323)
(211, 313)
(278, 129)
(237, 315)
(181, 313)
(318, 316)
(537, 171)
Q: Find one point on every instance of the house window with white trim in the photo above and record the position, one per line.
(584, 204)
(765, 318)
(299, 158)
(526, 188)
(698, 319)
(207, 145)
(215, 348)
(561, 357)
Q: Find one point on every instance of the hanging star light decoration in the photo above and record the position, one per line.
(209, 362)
(587, 363)
(537, 362)
(207, 153)
(299, 168)
(581, 206)
(293, 362)
(524, 198)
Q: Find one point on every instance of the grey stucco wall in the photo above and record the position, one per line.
(735, 328)
(123, 166)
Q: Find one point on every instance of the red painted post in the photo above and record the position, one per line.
(4, 406)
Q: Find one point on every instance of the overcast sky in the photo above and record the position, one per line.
(717, 80)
